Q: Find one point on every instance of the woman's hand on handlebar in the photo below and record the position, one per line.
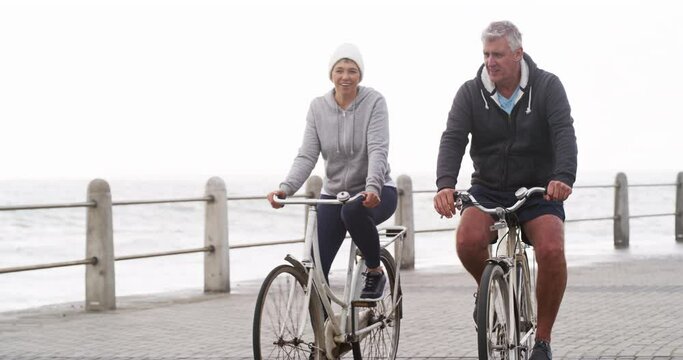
(371, 199)
(444, 202)
(271, 198)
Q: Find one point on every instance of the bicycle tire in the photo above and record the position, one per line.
(275, 327)
(493, 315)
(525, 306)
(382, 342)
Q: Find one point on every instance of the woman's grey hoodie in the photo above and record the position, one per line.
(354, 144)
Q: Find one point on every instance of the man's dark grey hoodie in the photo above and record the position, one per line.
(354, 144)
(529, 147)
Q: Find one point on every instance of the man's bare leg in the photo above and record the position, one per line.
(546, 233)
(472, 240)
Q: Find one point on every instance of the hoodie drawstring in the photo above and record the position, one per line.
(353, 126)
(528, 108)
(486, 104)
(339, 130)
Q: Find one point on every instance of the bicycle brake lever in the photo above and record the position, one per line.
(458, 203)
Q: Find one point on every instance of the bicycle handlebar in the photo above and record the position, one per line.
(522, 195)
(342, 198)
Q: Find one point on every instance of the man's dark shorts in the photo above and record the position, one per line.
(534, 207)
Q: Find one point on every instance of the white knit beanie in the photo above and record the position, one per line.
(347, 51)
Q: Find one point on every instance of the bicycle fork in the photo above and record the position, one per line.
(515, 291)
(509, 251)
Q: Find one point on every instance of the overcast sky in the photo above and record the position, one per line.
(191, 89)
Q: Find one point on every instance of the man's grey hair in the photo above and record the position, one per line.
(499, 29)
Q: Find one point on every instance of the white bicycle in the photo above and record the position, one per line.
(295, 318)
(506, 311)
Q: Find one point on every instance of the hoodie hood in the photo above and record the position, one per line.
(363, 93)
(488, 88)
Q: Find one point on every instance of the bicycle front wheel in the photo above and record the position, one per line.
(282, 329)
(382, 341)
(493, 315)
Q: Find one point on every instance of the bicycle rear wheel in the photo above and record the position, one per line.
(382, 341)
(493, 315)
(525, 308)
(277, 318)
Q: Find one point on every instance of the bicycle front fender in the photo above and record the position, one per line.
(296, 263)
(504, 263)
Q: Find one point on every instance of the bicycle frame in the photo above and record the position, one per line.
(343, 331)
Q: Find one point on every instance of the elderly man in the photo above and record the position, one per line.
(522, 134)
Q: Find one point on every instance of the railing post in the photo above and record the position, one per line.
(217, 262)
(621, 213)
(100, 289)
(314, 186)
(679, 208)
(404, 216)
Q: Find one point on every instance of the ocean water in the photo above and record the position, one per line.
(30, 237)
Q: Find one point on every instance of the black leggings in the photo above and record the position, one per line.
(361, 223)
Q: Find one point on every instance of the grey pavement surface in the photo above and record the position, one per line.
(632, 309)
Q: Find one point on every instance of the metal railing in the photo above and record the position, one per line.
(99, 258)
(621, 214)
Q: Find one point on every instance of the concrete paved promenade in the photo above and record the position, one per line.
(620, 310)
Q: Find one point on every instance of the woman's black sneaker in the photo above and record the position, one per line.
(374, 285)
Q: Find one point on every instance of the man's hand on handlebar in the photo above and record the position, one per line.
(444, 202)
(557, 190)
(271, 198)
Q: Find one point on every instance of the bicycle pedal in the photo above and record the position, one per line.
(364, 303)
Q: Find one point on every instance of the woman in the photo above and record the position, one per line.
(349, 126)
